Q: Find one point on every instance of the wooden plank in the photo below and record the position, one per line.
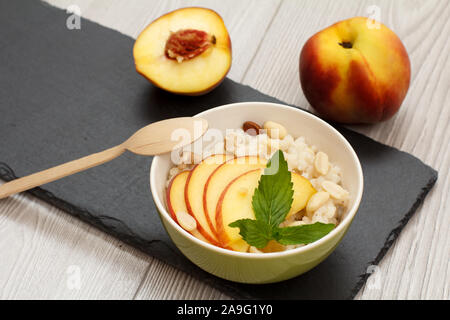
(103, 261)
(164, 282)
(47, 254)
(131, 17)
(265, 53)
(417, 266)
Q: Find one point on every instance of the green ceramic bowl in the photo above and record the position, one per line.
(265, 267)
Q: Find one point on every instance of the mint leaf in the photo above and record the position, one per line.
(273, 198)
(303, 234)
(256, 233)
(271, 202)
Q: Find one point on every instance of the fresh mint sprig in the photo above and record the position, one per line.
(271, 202)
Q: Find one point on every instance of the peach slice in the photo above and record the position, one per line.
(303, 190)
(193, 192)
(186, 51)
(235, 203)
(175, 199)
(221, 177)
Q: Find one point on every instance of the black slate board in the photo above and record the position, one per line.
(60, 90)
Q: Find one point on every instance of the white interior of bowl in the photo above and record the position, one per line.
(298, 123)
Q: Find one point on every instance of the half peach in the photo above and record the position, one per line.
(186, 51)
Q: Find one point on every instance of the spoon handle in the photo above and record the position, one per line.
(58, 172)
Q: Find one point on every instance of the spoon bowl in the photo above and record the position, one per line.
(156, 138)
(166, 135)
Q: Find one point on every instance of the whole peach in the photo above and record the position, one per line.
(355, 71)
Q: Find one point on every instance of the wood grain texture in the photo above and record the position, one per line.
(63, 170)
(131, 17)
(417, 267)
(45, 251)
(42, 246)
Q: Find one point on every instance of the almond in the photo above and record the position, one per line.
(186, 221)
(275, 130)
(316, 201)
(321, 163)
(335, 190)
(252, 128)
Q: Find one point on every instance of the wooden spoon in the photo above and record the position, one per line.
(150, 140)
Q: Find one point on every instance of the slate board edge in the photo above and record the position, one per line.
(100, 222)
(7, 174)
(393, 235)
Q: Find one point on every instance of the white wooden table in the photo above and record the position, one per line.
(46, 254)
